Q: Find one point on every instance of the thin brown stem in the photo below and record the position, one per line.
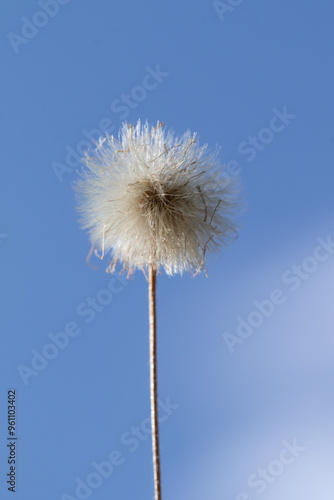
(153, 378)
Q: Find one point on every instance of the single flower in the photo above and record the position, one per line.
(149, 197)
(154, 201)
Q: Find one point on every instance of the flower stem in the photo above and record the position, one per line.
(153, 378)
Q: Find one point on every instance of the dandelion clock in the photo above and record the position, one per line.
(155, 202)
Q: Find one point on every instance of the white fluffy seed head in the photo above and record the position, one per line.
(152, 198)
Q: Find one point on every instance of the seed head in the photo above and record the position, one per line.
(152, 198)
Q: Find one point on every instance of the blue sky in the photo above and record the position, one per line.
(255, 78)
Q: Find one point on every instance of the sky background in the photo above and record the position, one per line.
(224, 73)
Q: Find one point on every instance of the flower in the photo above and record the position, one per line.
(153, 198)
